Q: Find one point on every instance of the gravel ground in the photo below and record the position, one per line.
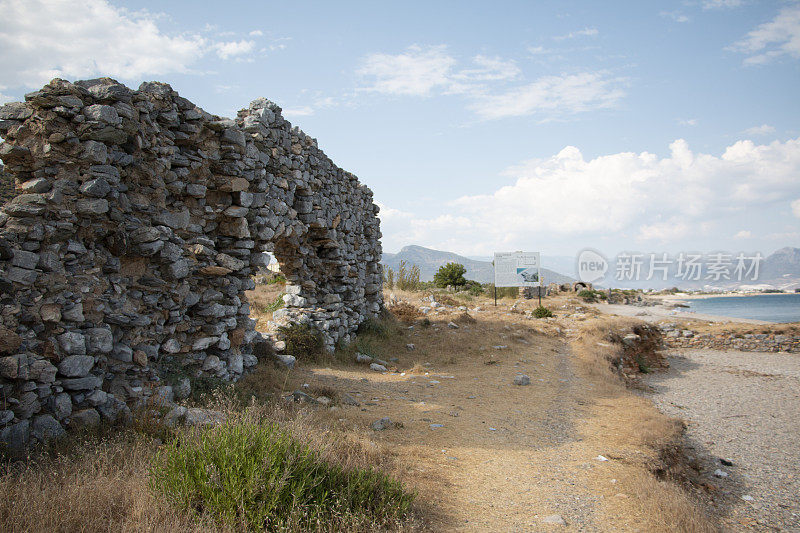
(743, 407)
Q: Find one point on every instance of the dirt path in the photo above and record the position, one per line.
(743, 407)
(505, 456)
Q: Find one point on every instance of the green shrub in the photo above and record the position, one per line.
(588, 295)
(450, 274)
(256, 477)
(473, 287)
(302, 341)
(408, 277)
(277, 279)
(274, 305)
(382, 326)
(388, 277)
(542, 312)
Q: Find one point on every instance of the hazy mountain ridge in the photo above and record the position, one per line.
(429, 261)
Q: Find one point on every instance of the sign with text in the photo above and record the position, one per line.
(517, 269)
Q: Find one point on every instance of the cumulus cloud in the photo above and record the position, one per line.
(638, 195)
(303, 111)
(553, 96)
(415, 72)
(486, 83)
(764, 129)
(744, 234)
(796, 208)
(43, 39)
(226, 50)
(774, 39)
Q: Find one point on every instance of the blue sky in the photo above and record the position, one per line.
(482, 126)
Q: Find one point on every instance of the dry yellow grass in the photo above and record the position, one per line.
(643, 446)
(95, 486)
(260, 300)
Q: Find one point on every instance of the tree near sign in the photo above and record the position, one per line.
(450, 274)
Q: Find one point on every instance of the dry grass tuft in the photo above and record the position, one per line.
(465, 318)
(405, 312)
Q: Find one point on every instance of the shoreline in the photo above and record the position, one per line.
(660, 312)
(688, 296)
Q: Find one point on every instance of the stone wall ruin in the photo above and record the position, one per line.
(140, 221)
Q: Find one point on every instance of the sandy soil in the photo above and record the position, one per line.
(488, 455)
(742, 407)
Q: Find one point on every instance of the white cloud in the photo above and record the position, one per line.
(744, 234)
(416, 72)
(774, 39)
(688, 122)
(586, 32)
(419, 71)
(4, 98)
(488, 69)
(538, 50)
(256, 33)
(796, 208)
(630, 195)
(43, 39)
(303, 111)
(226, 50)
(764, 129)
(721, 4)
(677, 16)
(427, 71)
(552, 96)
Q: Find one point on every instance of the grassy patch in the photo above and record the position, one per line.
(255, 475)
(588, 295)
(303, 341)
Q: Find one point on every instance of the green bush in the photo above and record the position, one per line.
(408, 277)
(542, 312)
(473, 287)
(277, 279)
(254, 476)
(588, 295)
(450, 274)
(388, 277)
(302, 341)
(276, 304)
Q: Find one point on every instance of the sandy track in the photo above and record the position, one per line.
(745, 407)
(504, 456)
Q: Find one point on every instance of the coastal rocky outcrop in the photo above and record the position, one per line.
(140, 220)
(677, 337)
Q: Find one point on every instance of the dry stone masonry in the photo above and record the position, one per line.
(140, 222)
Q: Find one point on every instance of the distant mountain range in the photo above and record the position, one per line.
(429, 261)
(780, 270)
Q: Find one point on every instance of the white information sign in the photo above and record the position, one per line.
(517, 269)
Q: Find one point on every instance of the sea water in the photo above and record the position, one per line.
(767, 307)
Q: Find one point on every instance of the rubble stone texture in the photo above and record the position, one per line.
(140, 221)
